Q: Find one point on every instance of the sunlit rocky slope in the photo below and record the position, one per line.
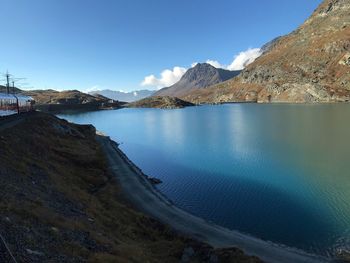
(311, 64)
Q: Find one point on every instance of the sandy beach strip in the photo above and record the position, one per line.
(145, 197)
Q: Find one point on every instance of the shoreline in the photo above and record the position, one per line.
(146, 198)
(74, 108)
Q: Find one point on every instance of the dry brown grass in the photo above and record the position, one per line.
(58, 198)
(72, 193)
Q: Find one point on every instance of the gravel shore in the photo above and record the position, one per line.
(142, 194)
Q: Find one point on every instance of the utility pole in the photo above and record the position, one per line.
(7, 82)
(10, 82)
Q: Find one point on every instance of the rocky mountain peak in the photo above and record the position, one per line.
(201, 72)
(200, 76)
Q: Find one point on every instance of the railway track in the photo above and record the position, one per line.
(12, 120)
(5, 251)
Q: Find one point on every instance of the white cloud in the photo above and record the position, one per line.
(215, 63)
(244, 58)
(167, 78)
(240, 61)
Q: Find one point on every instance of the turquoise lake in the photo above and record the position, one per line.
(279, 172)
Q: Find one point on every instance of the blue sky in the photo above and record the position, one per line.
(115, 44)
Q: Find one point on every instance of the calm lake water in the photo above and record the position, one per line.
(278, 172)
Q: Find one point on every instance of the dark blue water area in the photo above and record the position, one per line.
(238, 203)
(277, 172)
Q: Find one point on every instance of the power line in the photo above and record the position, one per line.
(10, 79)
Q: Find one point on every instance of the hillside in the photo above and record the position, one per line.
(50, 96)
(124, 96)
(200, 76)
(68, 100)
(312, 64)
(162, 102)
(3, 89)
(59, 203)
(63, 97)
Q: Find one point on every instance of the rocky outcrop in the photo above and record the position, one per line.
(345, 61)
(270, 45)
(309, 65)
(199, 77)
(162, 102)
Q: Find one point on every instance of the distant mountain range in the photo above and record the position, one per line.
(311, 64)
(124, 96)
(200, 76)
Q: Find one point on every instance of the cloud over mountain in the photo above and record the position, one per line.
(169, 77)
(244, 58)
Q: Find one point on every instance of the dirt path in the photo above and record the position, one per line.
(145, 197)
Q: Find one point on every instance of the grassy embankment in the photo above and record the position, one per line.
(59, 203)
